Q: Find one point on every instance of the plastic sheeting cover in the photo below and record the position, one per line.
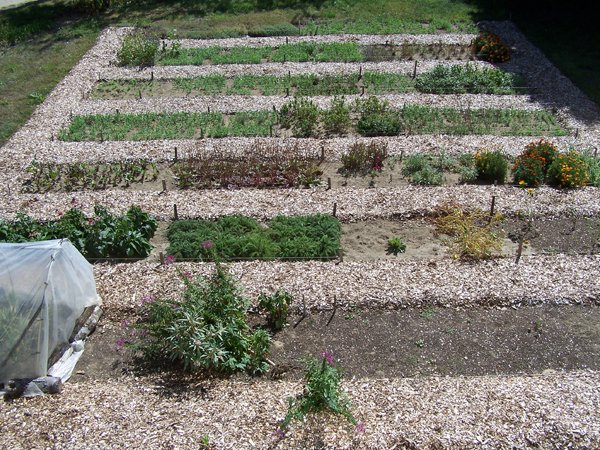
(44, 288)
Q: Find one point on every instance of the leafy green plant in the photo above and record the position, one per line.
(568, 170)
(420, 170)
(301, 237)
(301, 116)
(336, 119)
(531, 166)
(138, 49)
(593, 167)
(207, 329)
(322, 392)
(276, 307)
(491, 166)
(102, 236)
(473, 234)
(376, 118)
(395, 246)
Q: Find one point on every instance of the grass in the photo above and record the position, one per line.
(302, 52)
(501, 122)
(151, 126)
(237, 237)
(413, 119)
(442, 79)
(41, 41)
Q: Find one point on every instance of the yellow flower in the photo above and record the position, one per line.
(522, 182)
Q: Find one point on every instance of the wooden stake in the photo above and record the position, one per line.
(492, 206)
(520, 248)
(334, 210)
(362, 91)
(360, 72)
(414, 75)
(271, 130)
(140, 93)
(334, 309)
(164, 184)
(175, 154)
(322, 153)
(328, 183)
(152, 76)
(303, 315)
(286, 40)
(175, 215)
(287, 92)
(161, 257)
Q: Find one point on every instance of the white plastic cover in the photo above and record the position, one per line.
(44, 288)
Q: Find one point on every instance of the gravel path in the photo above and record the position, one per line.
(535, 280)
(499, 412)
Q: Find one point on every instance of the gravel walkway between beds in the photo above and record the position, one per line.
(535, 280)
(352, 203)
(555, 410)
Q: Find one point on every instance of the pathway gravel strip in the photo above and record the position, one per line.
(494, 412)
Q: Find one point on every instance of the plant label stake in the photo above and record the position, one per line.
(576, 133)
(208, 109)
(176, 154)
(152, 76)
(328, 183)
(322, 153)
(359, 73)
(140, 93)
(164, 185)
(287, 92)
(161, 257)
(271, 130)
(362, 91)
(286, 40)
(175, 215)
(414, 75)
(334, 210)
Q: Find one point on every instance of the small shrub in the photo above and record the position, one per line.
(473, 237)
(322, 392)
(336, 119)
(301, 116)
(491, 166)
(376, 118)
(532, 164)
(463, 79)
(489, 47)
(568, 170)
(395, 246)
(207, 329)
(138, 49)
(276, 307)
(363, 158)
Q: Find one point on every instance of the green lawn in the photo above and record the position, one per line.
(40, 42)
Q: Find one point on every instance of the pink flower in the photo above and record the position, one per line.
(207, 245)
(170, 259)
(188, 275)
(360, 427)
(328, 357)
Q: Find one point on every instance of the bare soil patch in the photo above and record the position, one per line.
(408, 343)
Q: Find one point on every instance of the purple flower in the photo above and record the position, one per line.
(360, 427)
(328, 356)
(207, 245)
(125, 323)
(120, 343)
(150, 298)
(279, 434)
(170, 259)
(188, 275)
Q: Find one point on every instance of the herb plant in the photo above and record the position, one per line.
(322, 392)
(276, 307)
(395, 246)
(138, 49)
(207, 329)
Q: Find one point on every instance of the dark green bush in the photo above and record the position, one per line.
(491, 166)
(207, 329)
(138, 49)
(304, 237)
